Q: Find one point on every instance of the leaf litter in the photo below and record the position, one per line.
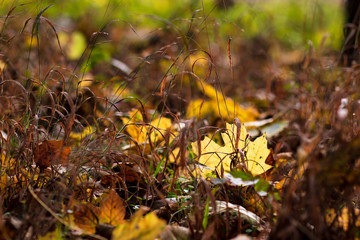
(165, 150)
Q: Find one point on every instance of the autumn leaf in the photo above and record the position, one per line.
(174, 155)
(140, 131)
(3, 183)
(112, 210)
(10, 178)
(200, 64)
(342, 218)
(215, 156)
(51, 152)
(219, 106)
(86, 217)
(81, 135)
(200, 109)
(139, 227)
(2, 66)
(7, 165)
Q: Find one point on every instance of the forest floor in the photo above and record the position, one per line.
(198, 127)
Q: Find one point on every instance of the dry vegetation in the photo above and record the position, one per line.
(106, 143)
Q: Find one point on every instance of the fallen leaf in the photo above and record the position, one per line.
(3, 183)
(140, 131)
(174, 155)
(342, 219)
(256, 155)
(274, 128)
(112, 210)
(7, 166)
(79, 136)
(200, 64)
(139, 227)
(215, 156)
(51, 152)
(85, 217)
(129, 174)
(2, 66)
(219, 106)
(200, 109)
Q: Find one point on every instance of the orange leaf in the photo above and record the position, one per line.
(51, 152)
(85, 217)
(112, 210)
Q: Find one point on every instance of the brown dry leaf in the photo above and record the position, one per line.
(85, 217)
(109, 180)
(112, 210)
(51, 152)
(128, 174)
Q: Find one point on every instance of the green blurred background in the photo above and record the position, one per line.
(292, 22)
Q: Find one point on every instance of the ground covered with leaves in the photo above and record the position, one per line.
(177, 120)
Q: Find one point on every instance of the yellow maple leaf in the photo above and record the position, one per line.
(139, 227)
(215, 156)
